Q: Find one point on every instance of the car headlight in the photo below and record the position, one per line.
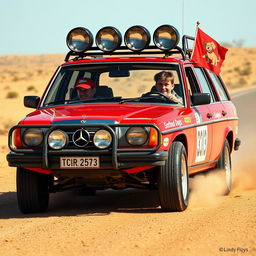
(33, 137)
(136, 136)
(57, 139)
(102, 139)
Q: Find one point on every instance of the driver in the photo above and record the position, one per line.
(86, 88)
(165, 85)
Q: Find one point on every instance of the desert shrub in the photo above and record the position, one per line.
(15, 79)
(31, 88)
(237, 69)
(246, 70)
(29, 74)
(12, 95)
(242, 82)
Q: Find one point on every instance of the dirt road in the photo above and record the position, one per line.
(131, 223)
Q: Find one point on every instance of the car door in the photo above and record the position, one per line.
(203, 129)
(216, 113)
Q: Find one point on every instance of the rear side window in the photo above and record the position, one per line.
(206, 87)
(219, 86)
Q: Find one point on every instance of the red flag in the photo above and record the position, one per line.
(207, 52)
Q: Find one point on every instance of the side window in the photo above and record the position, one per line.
(219, 86)
(193, 86)
(206, 87)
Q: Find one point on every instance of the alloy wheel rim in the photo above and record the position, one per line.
(227, 165)
(184, 177)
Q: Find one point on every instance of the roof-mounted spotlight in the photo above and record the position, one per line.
(108, 39)
(166, 37)
(137, 38)
(79, 39)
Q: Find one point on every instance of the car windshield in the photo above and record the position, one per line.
(115, 83)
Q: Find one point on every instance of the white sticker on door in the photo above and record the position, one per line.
(201, 143)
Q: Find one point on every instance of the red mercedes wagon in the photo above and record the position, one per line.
(126, 133)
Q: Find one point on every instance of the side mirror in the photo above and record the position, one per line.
(31, 101)
(200, 98)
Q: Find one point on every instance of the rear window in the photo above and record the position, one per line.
(219, 86)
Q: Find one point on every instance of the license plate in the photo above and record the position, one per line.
(79, 162)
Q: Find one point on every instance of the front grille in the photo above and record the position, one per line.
(71, 145)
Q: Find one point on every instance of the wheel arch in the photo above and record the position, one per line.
(183, 139)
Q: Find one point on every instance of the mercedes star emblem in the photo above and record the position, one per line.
(81, 138)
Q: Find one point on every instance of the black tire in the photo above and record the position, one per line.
(173, 182)
(32, 191)
(224, 168)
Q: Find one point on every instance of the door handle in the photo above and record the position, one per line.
(224, 112)
(209, 115)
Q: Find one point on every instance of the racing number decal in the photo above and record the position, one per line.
(201, 143)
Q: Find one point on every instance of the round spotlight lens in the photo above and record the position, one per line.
(33, 137)
(166, 37)
(79, 39)
(137, 38)
(102, 139)
(57, 139)
(136, 136)
(108, 39)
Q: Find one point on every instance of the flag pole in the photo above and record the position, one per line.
(197, 25)
(183, 17)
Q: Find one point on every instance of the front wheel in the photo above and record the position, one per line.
(32, 191)
(173, 185)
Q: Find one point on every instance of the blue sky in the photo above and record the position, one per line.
(41, 26)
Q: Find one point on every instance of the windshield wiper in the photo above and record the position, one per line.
(98, 99)
(85, 101)
(129, 99)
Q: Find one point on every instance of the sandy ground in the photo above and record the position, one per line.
(130, 223)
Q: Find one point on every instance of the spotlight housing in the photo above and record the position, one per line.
(137, 38)
(79, 39)
(108, 39)
(166, 37)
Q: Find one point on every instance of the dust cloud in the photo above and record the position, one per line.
(207, 189)
(244, 175)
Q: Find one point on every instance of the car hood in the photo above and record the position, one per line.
(117, 113)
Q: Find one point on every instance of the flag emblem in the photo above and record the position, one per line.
(208, 52)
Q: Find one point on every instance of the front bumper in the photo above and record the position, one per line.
(124, 160)
(112, 158)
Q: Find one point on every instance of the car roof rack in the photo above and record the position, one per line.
(185, 45)
(95, 52)
(123, 50)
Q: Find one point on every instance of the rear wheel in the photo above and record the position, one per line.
(32, 191)
(224, 168)
(173, 180)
